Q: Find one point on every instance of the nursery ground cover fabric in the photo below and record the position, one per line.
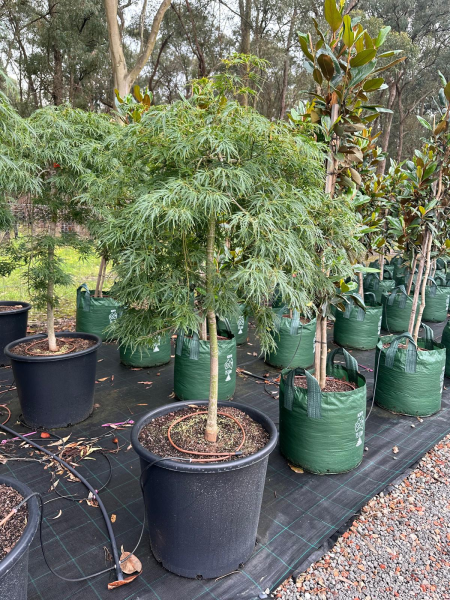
(300, 512)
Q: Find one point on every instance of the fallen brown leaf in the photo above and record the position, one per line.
(113, 518)
(395, 450)
(103, 378)
(116, 584)
(296, 469)
(146, 382)
(131, 565)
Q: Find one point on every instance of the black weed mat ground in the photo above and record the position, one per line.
(300, 511)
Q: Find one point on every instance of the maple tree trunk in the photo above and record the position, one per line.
(211, 423)
(100, 279)
(318, 347)
(323, 354)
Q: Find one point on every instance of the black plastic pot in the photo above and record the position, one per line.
(13, 325)
(14, 567)
(202, 518)
(58, 390)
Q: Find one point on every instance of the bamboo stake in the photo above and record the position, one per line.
(99, 278)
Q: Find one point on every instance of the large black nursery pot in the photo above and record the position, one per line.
(55, 390)
(13, 325)
(14, 567)
(203, 518)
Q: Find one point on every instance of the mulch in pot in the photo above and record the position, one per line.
(65, 345)
(12, 530)
(11, 308)
(332, 384)
(189, 434)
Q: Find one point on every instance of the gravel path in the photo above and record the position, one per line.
(399, 547)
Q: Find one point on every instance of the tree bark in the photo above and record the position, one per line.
(361, 284)
(287, 65)
(57, 86)
(401, 120)
(245, 10)
(382, 261)
(323, 354)
(211, 423)
(411, 279)
(52, 346)
(98, 287)
(318, 346)
(124, 79)
(384, 139)
(427, 252)
(424, 250)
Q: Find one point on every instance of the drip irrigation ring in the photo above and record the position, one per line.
(69, 342)
(222, 455)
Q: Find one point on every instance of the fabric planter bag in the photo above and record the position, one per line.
(94, 315)
(373, 284)
(445, 341)
(400, 274)
(147, 356)
(192, 365)
(397, 307)
(409, 381)
(277, 299)
(436, 303)
(356, 328)
(295, 342)
(237, 326)
(323, 432)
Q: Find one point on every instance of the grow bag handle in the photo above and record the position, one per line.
(313, 393)
(372, 297)
(432, 287)
(441, 279)
(84, 301)
(387, 275)
(429, 336)
(351, 364)
(373, 280)
(193, 348)
(411, 353)
(393, 295)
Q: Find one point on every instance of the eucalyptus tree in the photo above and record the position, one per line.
(215, 205)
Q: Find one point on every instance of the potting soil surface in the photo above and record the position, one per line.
(301, 512)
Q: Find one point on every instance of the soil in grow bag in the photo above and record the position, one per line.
(238, 326)
(397, 307)
(192, 368)
(445, 341)
(358, 328)
(409, 378)
(295, 340)
(147, 356)
(13, 528)
(94, 315)
(203, 512)
(322, 431)
(373, 284)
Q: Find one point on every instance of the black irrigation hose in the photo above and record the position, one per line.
(108, 524)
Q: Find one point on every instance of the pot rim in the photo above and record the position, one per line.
(175, 465)
(39, 336)
(25, 307)
(29, 532)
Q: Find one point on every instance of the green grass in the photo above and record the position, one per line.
(14, 287)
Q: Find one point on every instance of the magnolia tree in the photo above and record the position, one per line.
(64, 145)
(218, 205)
(346, 63)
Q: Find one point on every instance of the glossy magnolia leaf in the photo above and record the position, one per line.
(360, 73)
(332, 16)
(303, 40)
(443, 126)
(443, 80)
(442, 98)
(363, 57)
(355, 176)
(424, 122)
(368, 42)
(447, 91)
(373, 84)
(348, 35)
(382, 35)
(317, 75)
(422, 210)
(389, 53)
(137, 93)
(391, 64)
(116, 91)
(326, 66)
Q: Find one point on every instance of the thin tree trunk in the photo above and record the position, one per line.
(361, 284)
(323, 355)
(382, 261)
(287, 65)
(98, 285)
(245, 10)
(204, 330)
(52, 346)
(211, 423)
(411, 279)
(387, 125)
(424, 285)
(318, 347)
(57, 87)
(418, 281)
(401, 122)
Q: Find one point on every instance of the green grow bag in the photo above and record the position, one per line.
(277, 299)
(94, 315)
(356, 328)
(147, 356)
(400, 274)
(192, 365)
(323, 432)
(237, 326)
(397, 307)
(445, 341)
(373, 284)
(295, 342)
(408, 381)
(436, 303)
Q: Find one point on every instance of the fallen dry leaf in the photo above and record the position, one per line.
(141, 404)
(54, 485)
(101, 360)
(131, 565)
(113, 518)
(395, 450)
(172, 395)
(146, 382)
(58, 515)
(136, 369)
(103, 378)
(116, 584)
(296, 469)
